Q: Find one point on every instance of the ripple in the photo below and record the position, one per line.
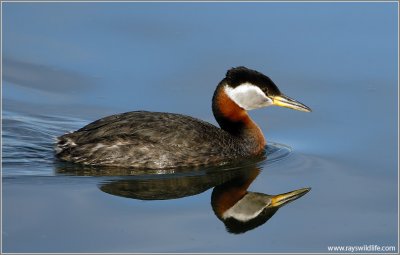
(277, 152)
(28, 141)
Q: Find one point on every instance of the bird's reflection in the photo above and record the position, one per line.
(242, 210)
(239, 209)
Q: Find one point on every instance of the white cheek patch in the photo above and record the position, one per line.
(248, 96)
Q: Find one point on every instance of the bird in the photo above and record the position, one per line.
(160, 140)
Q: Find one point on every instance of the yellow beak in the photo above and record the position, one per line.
(287, 102)
(283, 199)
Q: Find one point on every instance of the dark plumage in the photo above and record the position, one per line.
(153, 140)
(239, 75)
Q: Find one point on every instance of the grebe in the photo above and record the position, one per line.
(155, 140)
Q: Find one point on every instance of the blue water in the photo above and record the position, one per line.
(67, 64)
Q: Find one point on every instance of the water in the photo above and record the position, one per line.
(89, 60)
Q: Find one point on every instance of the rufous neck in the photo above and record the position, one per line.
(228, 194)
(235, 120)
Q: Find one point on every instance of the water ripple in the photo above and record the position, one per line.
(28, 142)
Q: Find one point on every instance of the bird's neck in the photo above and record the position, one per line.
(236, 121)
(226, 195)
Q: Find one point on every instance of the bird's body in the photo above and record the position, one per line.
(135, 139)
(157, 140)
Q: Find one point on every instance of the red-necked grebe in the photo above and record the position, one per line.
(158, 140)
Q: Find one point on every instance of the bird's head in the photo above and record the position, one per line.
(250, 90)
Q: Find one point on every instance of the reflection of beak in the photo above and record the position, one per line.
(283, 199)
(286, 101)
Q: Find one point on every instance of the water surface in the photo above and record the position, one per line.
(67, 64)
